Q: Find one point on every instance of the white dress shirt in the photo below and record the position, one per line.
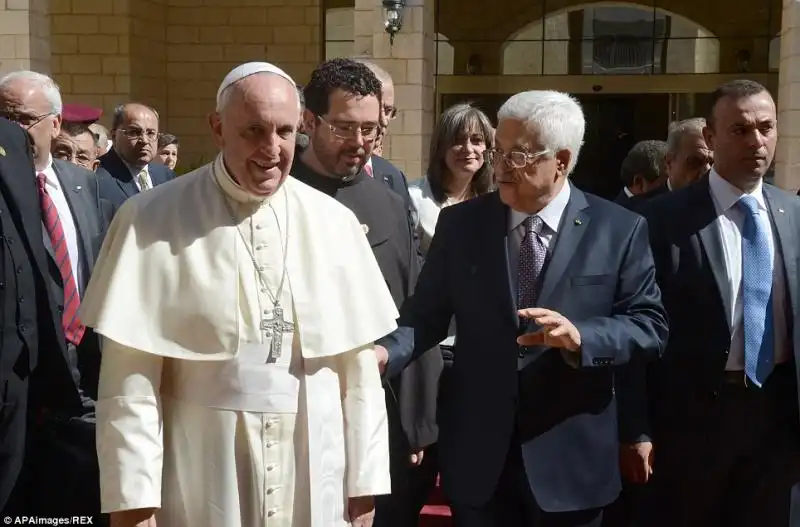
(56, 193)
(551, 217)
(730, 220)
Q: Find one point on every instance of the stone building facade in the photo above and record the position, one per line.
(173, 53)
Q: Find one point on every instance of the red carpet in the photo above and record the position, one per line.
(436, 513)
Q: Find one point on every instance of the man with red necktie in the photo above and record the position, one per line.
(63, 386)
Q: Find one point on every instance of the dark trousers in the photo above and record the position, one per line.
(513, 504)
(729, 458)
(60, 475)
(630, 509)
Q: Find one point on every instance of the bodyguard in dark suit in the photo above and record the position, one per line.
(727, 437)
(71, 225)
(28, 315)
(341, 120)
(128, 168)
(550, 288)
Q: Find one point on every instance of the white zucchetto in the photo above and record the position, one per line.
(250, 68)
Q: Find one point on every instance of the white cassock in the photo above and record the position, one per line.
(191, 418)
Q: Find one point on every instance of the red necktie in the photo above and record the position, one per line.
(73, 330)
(368, 169)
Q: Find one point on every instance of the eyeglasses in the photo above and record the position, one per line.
(515, 158)
(389, 111)
(350, 131)
(136, 133)
(25, 120)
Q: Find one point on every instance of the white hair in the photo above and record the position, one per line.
(383, 76)
(225, 95)
(556, 117)
(679, 130)
(47, 85)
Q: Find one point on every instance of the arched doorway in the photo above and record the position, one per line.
(605, 38)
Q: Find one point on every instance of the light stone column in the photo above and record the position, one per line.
(411, 61)
(787, 163)
(24, 36)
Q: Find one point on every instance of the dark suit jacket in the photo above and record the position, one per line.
(632, 379)
(29, 318)
(690, 268)
(411, 397)
(639, 200)
(117, 183)
(64, 386)
(560, 406)
(383, 170)
(622, 198)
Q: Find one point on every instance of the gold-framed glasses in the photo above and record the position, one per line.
(136, 133)
(368, 131)
(515, 158)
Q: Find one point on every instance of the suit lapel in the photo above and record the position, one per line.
(494, 248)
(705, 216)
(76, 199)
(574, 223)
(786, 230)
(120, 173)
(128, 187)
(157, 176)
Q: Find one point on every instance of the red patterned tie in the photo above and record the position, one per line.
(368, 169)
(73, 330)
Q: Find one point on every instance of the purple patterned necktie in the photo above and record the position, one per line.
(532, 253)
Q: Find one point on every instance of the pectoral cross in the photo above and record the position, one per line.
(275, 327)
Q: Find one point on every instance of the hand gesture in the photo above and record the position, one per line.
(416, 457)
(556, 332)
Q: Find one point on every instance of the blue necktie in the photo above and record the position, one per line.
(759, 338)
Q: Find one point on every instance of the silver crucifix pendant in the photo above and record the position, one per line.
(275, 327)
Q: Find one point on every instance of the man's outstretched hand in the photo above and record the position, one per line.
(556, 332)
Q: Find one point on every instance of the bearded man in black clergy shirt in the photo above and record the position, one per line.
(342, 119)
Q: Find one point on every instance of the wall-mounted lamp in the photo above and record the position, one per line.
(393, 17)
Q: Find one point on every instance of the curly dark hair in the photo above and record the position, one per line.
(342, 74)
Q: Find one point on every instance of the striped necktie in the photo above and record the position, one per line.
(368, 170)
(73, 330)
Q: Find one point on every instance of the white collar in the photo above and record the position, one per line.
(550, 214)
(726, 195)
(50, 174)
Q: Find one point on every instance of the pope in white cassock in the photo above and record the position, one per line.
(238, 308)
